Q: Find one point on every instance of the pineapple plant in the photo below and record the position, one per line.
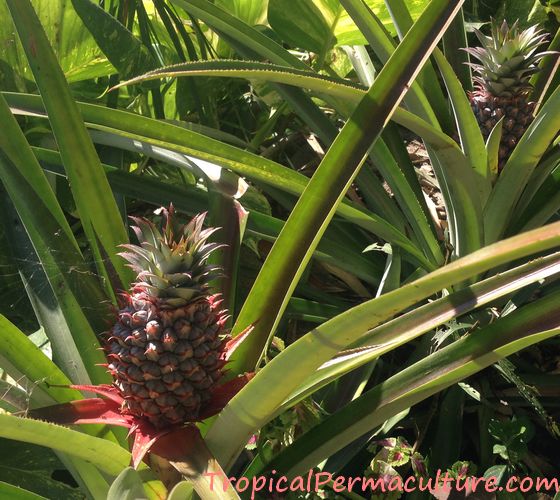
(165, 350)
(508, 58)
(168, 347)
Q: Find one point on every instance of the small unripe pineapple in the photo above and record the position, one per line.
(166, 350)
(508, 58)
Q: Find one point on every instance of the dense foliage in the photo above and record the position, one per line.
(388, 242)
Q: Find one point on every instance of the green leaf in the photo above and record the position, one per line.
(18, 311)
(320, 84)
(448, 438)
(255, 404)
(193, 200)
(546, 80)
(428, 79)
(450, 164)
(307, 24)
(450, 169)
(519, 167)
(527, 326)
(21, 357)
(16, 493)
(31, 467)
(242, 162)
(383, 45)
(127, 486)
(538, 183)
(220, 179)
(126, 53)
(75, 287)
(181, 491)
(252, 43)
(302, 77)
(420, 320)
(44, 301)
(44, 382)
(201, 468)
(252, 13)
(239, 32)
(307, 222)
(407, 200)
(454, 40)
(497, 471)
(228, 214)
(493, 149)
(95, 202)
(469, 131)
(108, 457)
(348, 33)
(13, 398)
(78, 54)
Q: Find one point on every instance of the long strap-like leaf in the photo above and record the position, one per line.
(73, 284)
(519, 167)
(531, 324)
(242, 162)
(293, 248)
(95, 202)
(253, 405)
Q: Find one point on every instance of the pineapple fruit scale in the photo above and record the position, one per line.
(166, 350)
(508, 58)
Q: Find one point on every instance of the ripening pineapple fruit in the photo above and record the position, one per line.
(166, 349)
(509, 57)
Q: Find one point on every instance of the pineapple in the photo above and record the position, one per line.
(508, 58)
(166, 350)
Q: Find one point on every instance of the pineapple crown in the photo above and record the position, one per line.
(509, 57)
(171, 261)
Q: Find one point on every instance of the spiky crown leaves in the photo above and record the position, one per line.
(509, 57)
(171, 262)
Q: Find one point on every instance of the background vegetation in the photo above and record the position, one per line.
(404, 295)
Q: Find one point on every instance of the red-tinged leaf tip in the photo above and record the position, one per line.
(235, 342)
(223, 393)
(145, 435)
(83, 411)
(109, 391)
(178, 444)
(240, 209)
